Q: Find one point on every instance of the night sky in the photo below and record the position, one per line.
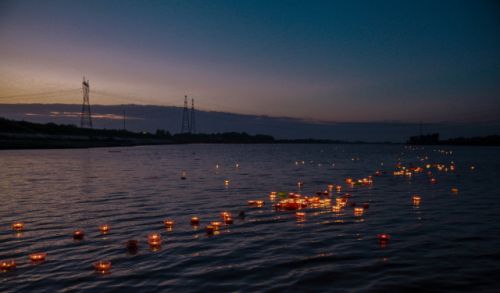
(345, 61)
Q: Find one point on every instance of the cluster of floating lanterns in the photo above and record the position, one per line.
(287, 202)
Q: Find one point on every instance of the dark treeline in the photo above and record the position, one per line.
(433, 139)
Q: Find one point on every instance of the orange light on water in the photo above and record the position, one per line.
(169, 224)
(358, 211)
(228, 221)
(416, 200)
(38, 256)
(78, 234)
(18, 226)
(336, 209)
(383, 237)
(102, 266)
(154, 239)
(454, 190)
(300, 215)
(226, 182)
(216, 225)
(104, 228)
(225, 215)
(7, 265)
(195, 221)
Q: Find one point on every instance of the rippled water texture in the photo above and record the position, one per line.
(450, 242)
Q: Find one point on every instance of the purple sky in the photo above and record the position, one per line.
(324, 60)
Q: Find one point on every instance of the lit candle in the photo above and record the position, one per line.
(104, 228)
(38, 257)
(195, 221)
(416, 200)
(383, 238)
(18, 226)
(78, 234)
(358, 211)
(300, 215)
(154, 239)
(102, 266)
(7, 265)
(215, 225)
(169, 223)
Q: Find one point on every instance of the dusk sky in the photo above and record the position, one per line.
(345, 61)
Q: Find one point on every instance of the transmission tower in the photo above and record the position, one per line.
(193, 121)
(186, 128)
(86, 115)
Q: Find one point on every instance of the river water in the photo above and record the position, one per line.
(450, 242)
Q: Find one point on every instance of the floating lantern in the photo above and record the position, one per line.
(273, 195)
(210, 229)
(472, 168)
(154, 239)
(38, 257)
(237, 165)
(256, 203)
(215, 225)
(104, 228)
(358, 211)
(183, 175)
(169, 224)
(454, 190)
(195, 221)
(433, 180)
(78, 234)
(336, 209)
(225, 215)
(102, 266)
(18, 226)
(416, 200)
(348, 180)
(339, 188)
(383, 238)
(228, 221)
(7, 265)
(132, 245)
(300, 215)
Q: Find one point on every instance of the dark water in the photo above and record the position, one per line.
(451, 242)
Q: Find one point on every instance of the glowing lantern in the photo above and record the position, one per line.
(272, 195)
(300, 215)
(433, 180)
(383, 238)
(348, 180)
(154, 239)
(336, 209)
(358, 211)
(104, 228)
(183, 175)
(195, 221)
(256, 203)
(102, 266)
(18, 226)
(7, 265)
(339, 188)
(225, 215)
(78, 234)
(215, 225)
(454, 190)
(228, 221)
(416, 200)
(38, 257)
(472, 168)
(169, 224)
(226, 182)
